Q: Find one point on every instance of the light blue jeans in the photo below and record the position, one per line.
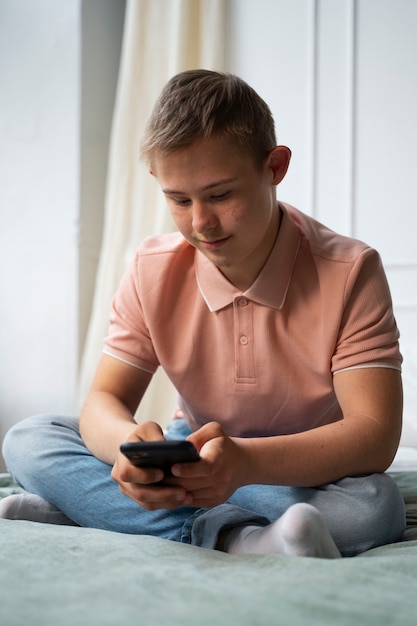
(46, 456)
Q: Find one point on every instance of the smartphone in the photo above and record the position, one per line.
(160, 454)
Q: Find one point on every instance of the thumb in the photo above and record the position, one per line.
(147, 431)
(209, 431)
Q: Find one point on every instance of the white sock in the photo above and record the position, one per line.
(301, 531)
(28, 506)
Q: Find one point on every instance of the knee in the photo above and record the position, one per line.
(379, 511)
(12, 440)
(388, 509)
(23, 439)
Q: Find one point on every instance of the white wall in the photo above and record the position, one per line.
(58, 75)
(39, 145)
(341, 79)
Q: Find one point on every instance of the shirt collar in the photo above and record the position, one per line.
(271, 286)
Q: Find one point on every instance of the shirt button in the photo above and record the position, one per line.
(242, 302)
(243, 340)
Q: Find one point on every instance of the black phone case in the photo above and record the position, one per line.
(159, 454)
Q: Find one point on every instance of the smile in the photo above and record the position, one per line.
(213, 245)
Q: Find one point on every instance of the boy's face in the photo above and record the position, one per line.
(223, 204)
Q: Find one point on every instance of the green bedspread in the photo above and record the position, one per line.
(78, 576)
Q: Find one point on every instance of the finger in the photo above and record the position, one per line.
(124, 471)
(153, 498)
(210, 493)
(197, 469)
(147, 431)
(205, 433)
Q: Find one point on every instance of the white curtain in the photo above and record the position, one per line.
(161, 38)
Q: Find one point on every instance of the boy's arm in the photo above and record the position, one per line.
(107, 417)
(107, 420)
(364, 442)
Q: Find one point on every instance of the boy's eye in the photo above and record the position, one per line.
(181, 201)
(218, 197)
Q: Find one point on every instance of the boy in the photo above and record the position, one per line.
(277, 333)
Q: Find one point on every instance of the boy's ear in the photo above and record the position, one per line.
(278, 160)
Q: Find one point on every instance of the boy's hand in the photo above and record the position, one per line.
(220, 472)
(143, 485)
(206, 483)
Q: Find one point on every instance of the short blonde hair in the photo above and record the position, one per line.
(197, 104)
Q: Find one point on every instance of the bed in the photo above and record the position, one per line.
(78, 576)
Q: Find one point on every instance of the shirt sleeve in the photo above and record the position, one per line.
(128, 337)
(368, 334)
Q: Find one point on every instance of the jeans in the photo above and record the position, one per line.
(46, 456)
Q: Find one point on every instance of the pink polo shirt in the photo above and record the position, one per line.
(260, 362)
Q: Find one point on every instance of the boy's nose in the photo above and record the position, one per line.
(204, 218)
